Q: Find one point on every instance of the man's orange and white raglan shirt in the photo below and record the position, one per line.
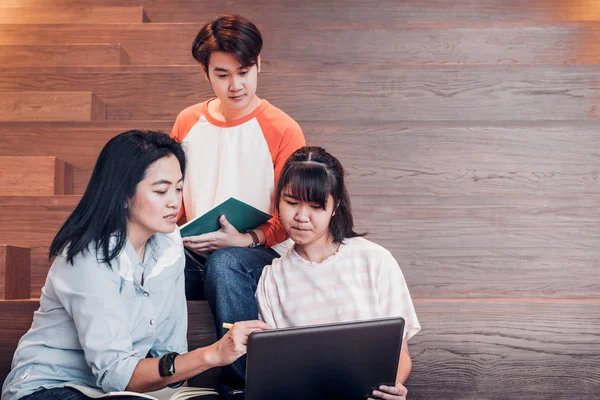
(241, 159)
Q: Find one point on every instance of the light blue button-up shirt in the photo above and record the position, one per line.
(96, 323)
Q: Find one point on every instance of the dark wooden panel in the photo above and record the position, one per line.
(70, 15)
(170, 44)
(52, 54)
(15, 263)
(375, 93)
(35, 176)
(348, 12)
(534, 350)
(16, 318)
(51, 106)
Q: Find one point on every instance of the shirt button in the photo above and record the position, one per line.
(146, 294)
(152, 322)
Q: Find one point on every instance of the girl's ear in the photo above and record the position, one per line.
(335, 209)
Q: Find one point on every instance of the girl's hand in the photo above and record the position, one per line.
(397, 392)
(227, 236)
(234, 344)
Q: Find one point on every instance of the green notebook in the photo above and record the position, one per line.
(239, 214)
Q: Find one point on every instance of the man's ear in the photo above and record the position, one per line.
(258, 63)
(205, 74)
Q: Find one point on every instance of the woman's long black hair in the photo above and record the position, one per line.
(100, 219)
(312, 174)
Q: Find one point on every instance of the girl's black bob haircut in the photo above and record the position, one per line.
(101, 217)
(310, 175)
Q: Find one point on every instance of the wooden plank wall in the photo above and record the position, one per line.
(469, 130)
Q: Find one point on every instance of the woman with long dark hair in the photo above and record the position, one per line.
(115, 293)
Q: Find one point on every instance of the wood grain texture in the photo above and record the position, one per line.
(51, 106)
(408, 43)
(351, 13)
(483, 159)
(35, 176)
(71, 15)
(472, 349)
(491, 350)
(403, 158)
(15, 264)
(52, 54)
(33, 222)
(359, 94)
(77, 143)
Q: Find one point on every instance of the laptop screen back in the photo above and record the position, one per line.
(335, 361)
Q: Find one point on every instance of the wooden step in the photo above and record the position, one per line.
(35, 176)
(51, 106)
(169, 44)
(77, 143)
(384, 93)
(492, 341)
(71, 15)
(446, 246)
(16, 318)
(33, 222)
(402, 158)
(57, 55)
(354, 14)
(15, 271)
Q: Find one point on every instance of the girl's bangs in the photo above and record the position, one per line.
(308, 182)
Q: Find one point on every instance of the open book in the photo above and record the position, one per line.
(239, 214)
(181, 393)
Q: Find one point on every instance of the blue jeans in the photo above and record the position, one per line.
(230, 278)
(64, 394)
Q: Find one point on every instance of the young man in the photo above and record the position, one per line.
(236, 145)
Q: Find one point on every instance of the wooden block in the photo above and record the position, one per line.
(71, 15)
(62, 55)
(35, 176)
(379, 93)
(51, 106)
(33, 222)
(15, 267)
(77, 143)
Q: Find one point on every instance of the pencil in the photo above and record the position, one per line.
(227, 325)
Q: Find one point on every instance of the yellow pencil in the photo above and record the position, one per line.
(227, 325)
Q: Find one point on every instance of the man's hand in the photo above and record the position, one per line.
(227, 236)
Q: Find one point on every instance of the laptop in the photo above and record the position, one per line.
(334, 361)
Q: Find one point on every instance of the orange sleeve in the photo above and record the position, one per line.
(284, 136)
(183, 124)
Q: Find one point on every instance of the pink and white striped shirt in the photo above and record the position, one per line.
(361, 281)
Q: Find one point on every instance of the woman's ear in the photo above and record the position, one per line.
(258, 63)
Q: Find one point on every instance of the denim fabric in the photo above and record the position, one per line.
(230, 278)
